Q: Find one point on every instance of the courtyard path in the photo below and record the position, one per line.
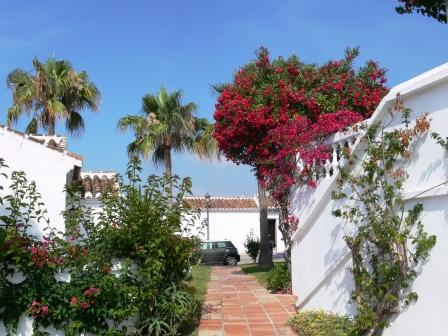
(236, 304)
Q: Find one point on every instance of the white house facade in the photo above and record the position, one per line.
(45, 160)
(234, 218)
(320, 257)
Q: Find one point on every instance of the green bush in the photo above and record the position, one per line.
(321, 323)
(252, 247)
(138, 228)
(279, 279)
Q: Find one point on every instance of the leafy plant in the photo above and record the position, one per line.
(127, 269)
(252, 247)
(436, 9)
(279, 279)
(386, 237)
(321, 323)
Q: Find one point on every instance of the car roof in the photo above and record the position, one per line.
(216, 241)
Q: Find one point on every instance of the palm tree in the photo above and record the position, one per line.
(55, 91)
(166, 126)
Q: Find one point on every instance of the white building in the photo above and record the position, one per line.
(233, 218)
(320, 257)
(46, 161)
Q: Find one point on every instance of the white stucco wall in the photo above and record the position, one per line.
(320, 258)
(235, 225)
(49, 168)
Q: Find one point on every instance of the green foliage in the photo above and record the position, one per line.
(279, 279)
(127, 271)
(441, 141)
(55, 91)
(386, 237)
(320, 323)
(436, 9)
(252, 247)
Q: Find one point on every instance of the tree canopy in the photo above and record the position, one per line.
(436, 9)
(54, 90)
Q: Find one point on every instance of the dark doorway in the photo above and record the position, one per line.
(271, 224)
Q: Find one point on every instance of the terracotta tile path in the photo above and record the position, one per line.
(236, 304)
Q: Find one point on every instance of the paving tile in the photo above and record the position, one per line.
(236, 329)
(210, 330)
(235, 304)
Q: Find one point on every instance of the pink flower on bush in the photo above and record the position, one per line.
(37, 309)
(74, 301)
(92, 291)
(84, 305)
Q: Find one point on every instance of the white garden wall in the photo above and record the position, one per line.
(51, 169)
(320, 258)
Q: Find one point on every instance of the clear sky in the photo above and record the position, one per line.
(130, 48)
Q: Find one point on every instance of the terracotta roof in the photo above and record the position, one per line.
(58, 143)
(227, 203)
(95, 184)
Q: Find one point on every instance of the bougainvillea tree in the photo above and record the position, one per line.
(276, 109)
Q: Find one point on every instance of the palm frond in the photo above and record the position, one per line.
(158, 156)
(54, 91)
(134, 122)
(32, 126)
(75, 123)
(204, 144)
(218, 88)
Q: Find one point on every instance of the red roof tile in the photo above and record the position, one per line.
(226, 203)
(95, 184)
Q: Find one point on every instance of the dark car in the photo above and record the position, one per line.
(219, 252)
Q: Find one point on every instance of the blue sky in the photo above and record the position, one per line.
(130, 48)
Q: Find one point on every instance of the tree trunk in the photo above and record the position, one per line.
(286, 234)
(51, 126)
(168, 173)
(265, 258)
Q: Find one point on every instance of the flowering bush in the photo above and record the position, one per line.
(274, 110)
(137, 231)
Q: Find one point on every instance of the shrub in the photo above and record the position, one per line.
(321, 323)
(279, 279)
(137, 230)
(252, 247)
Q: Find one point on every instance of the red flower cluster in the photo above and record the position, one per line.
(41, 254)
(90, 299)
(92, 292)
(38, 309)
(274, 110)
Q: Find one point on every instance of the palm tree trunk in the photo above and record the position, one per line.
(265, 258)
(51, 126)
(168, 173)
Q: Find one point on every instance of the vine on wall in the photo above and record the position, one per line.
(387, 239)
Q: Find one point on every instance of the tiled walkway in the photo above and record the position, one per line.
(236, 304)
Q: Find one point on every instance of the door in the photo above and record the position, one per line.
(219, 249)
(272, 238)
(206, 252)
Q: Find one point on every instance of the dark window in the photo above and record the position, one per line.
(206, 246)
(229, 244)
(221, 244)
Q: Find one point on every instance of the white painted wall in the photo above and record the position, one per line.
(50, 169)
(235, 225)
(320, 258)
